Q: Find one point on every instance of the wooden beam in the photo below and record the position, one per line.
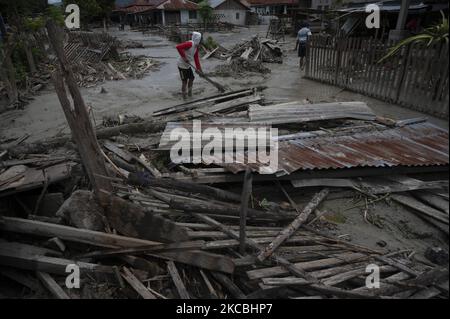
(136, 284)
(201, 259)
(229, 285)
(294, 226)
(90, 237)
(183, 246)
(52, 285)
(298, 271)
(77, 115)
(173, 271)
(246, 193)
(28, 261)
(134, 221)
(418, 206)
(310, 265)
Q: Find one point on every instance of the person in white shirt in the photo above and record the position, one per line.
(302, 41)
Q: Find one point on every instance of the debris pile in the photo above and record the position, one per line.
(173, 230)
(256, 49)
(95, 59)
(239, 67)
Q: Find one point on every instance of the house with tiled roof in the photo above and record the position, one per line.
(230, 11)
(157, 11)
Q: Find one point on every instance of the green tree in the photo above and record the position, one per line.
(90, 9)
(205, 11)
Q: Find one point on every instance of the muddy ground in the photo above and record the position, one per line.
(395, 226)
(43, 118)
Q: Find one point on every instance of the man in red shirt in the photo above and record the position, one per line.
(188, 55)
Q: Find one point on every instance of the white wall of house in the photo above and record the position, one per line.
(233, 16)
(189, 16)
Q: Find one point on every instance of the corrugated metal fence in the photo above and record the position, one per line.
(417, 77)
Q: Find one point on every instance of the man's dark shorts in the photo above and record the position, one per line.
(186, 74)
(302, 50)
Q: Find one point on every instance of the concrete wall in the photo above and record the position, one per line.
(233, 16)
(185, 17)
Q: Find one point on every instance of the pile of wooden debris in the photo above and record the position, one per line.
(256, 49)
(169, 230)
(239, 67)
(95, 58)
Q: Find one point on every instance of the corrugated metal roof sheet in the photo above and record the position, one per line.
(297, 112)
(414, 145)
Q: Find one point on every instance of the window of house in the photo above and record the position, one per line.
(193, 15)
(237, 15)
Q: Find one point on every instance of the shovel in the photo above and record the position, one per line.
(220, 87)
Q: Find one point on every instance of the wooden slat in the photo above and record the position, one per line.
(311, 265)
(181, 288)
(136, 284)
(52, 285)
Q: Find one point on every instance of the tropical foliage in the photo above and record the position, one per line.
(435, 34)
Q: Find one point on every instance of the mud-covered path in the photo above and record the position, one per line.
(43, 117)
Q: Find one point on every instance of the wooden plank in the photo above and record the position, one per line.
(209, 54)
(123, 154)
(294, 226)
(173, 271)
(136, 284)
(290, 267)
(209, 285)
(229, 285)
(94, 238)
(29, 261)
(77, 116)
(434, 201)
(144, 250)
(418, 206)
(373, 186)
(317, 264)
(52, 285)
(201, 259)
(246, 193)
(134, 221)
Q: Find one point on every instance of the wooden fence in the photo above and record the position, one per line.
(417, 77)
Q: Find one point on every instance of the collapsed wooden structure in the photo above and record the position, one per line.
(137, 224)
(163, 233)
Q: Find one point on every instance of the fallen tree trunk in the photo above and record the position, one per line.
(42, 147)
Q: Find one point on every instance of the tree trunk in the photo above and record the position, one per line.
(29, 53)
(78, 118)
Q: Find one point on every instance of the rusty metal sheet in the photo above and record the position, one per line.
(422, 144)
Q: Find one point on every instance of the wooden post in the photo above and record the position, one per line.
(294, 226)
(246, 193)
(77, 116)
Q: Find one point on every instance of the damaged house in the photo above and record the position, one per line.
(230, 11)
(158, 12)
